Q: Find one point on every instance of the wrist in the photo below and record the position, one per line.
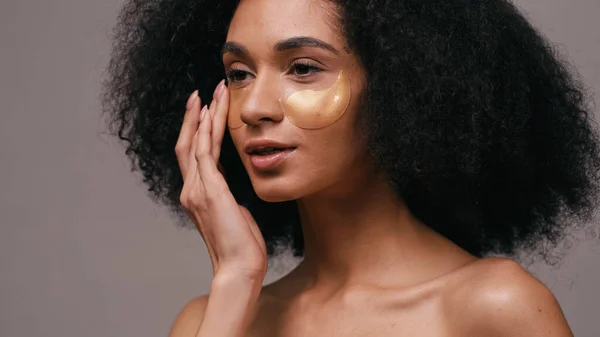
(227, 278)
(236, 295)
(241, 286)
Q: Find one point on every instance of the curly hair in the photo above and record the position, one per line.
(488, 138)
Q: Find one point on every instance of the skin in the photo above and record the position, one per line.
(370, 267)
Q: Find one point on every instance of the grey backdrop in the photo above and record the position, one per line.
(83, 251)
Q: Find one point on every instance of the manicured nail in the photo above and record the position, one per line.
(191, 100)
(222, 88)
(217, 90)
(203, 112)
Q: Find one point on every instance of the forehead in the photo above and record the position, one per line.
(265, 22)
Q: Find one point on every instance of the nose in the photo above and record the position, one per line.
(261, 103)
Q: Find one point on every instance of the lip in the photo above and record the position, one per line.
(271, 161)
(257, 144)
(268, 162)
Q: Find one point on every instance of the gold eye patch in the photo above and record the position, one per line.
(307, 109)
(236, 99)
(315, 109)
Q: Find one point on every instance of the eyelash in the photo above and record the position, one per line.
(312, 69)
(232, 72)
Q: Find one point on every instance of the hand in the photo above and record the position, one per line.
(233, 239)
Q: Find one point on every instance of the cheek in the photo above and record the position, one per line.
(237, 140)
(335, 149)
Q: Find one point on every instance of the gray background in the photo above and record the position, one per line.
(83, 251)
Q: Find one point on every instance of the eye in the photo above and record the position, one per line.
(303, 69)
(236, 75)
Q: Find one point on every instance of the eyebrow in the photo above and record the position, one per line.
(291, 43)
(232, 47)
(304, 41)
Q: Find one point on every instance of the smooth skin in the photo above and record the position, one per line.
(370, 267)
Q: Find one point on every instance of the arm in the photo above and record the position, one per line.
(234, 241)
(226, 312)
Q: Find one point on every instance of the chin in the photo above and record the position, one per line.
(277, 189)
(276, 193)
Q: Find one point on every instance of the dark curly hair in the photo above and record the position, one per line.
(489, 137)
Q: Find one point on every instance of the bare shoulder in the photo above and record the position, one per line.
(498, 297)
(189, 318)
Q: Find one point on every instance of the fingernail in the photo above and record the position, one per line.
(222, 87)
(191, 100)
(217, 90)
(203, 112)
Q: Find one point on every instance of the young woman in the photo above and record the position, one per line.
(394, 144)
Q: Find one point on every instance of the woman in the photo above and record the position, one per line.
(395, 144)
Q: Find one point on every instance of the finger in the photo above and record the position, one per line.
(191, 161)
(215, 101)
(209, 115)
(207, 168)
(192, 168)
(197, 139)
(188, 129)
(189, 181)
(220, 120)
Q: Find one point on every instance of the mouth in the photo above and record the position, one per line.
(268, 158)
(267, 151)
(267, 154)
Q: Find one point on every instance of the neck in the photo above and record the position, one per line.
(365, 235)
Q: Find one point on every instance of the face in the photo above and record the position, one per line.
(294, 95)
